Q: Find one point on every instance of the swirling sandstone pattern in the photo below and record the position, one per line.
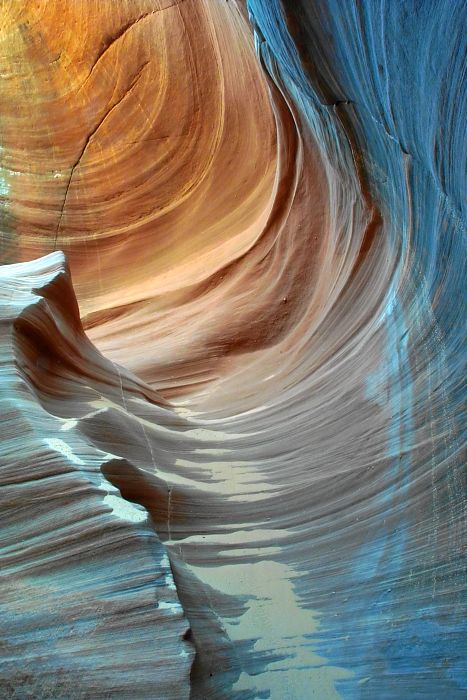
(232, 463)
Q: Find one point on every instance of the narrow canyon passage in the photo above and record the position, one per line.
(232, 302)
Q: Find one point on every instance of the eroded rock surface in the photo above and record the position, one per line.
(262, 205)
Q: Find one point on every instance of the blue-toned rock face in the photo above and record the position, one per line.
(231, 448)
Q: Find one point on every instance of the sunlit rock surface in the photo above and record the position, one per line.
(246, 480)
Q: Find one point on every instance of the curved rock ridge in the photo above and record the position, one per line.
(262, 204)
(88, 601)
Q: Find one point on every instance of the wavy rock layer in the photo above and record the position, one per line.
(88, 595)
(262, 207)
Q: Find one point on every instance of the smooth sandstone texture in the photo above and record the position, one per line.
(244, 477)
